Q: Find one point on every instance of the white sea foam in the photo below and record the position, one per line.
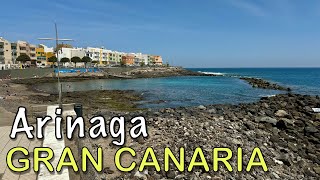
(273, 95)
(213, 73)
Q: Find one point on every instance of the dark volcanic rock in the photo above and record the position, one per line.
(267, 120)
(311, 129)
(282, 126)
(260, 83)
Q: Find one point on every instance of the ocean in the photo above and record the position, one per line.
(193, 91)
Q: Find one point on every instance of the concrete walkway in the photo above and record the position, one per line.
(5, 145)
(56, 145)
(6, 117)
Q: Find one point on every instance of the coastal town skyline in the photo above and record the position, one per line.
(41, 55)
(208, 34)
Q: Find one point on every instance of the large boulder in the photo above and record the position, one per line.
(267, 119)
(317, 117)
(317, 169)
(281, 113)
(202, 107)
(311, 129)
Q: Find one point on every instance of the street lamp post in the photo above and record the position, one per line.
(58, 67)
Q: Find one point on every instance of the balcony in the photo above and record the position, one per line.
(23, 51)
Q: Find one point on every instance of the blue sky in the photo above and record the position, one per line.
(190, 33)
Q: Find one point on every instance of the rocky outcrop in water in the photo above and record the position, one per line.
(260, 83)
(152, 72)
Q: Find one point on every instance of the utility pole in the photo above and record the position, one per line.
(58, 61)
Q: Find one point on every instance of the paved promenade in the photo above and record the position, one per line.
(5, 145)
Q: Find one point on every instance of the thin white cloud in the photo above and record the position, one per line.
(249, 6)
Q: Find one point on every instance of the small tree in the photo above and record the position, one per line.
(52, 59)
(142, 63)
(64, 60)
(95, 62)
(86, 59)
(23, 58)
(75, 60)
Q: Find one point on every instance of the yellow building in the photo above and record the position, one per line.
(41, 56)
(43, 53)
(50, 54)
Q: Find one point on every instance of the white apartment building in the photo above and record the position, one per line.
(5, 54)
(71, 52)
(104, 56)
(99, 55)
(46, 48)
(24, 47)
(115, 57)
(139, 58)
(10, 51)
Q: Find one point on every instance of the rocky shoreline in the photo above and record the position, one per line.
(148, 72)
(284, 127)
(132, 74)
(105, 74)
